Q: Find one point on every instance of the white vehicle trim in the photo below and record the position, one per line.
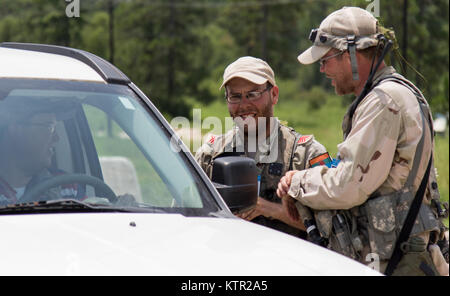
(17, 63)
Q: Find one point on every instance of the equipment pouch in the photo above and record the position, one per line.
(381, 224)
(426, 220)
(341, 236)
(324, 222)
(416, 264)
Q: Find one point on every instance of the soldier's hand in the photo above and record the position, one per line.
(263, 207)
(247, 215)
(290, 208)
(285, 183)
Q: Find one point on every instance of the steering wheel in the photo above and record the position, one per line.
(33, 193)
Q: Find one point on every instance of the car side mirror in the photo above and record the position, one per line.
(236, 179)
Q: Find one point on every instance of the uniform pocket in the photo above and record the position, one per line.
(381, 225)
(324, 222)
(425, 221)
(416, 264)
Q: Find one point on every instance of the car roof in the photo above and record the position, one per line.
(39, 61)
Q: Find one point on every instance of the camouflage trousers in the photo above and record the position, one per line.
(413, 264)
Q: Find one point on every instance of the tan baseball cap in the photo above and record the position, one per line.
(336, 27)
(249, 68)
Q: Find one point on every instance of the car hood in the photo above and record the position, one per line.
(158, 244)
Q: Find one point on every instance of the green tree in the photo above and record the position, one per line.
(161, 46)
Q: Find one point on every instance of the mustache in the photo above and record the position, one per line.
(246, 111)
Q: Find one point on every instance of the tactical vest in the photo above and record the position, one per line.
(374, 226)
(270, 173)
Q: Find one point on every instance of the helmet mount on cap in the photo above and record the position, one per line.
(347, 29)
(348, 43)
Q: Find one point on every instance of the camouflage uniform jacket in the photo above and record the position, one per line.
(376, 158)
(288, 150)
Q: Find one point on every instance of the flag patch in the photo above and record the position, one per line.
(304, 139)
(212, 139)
(323, 159)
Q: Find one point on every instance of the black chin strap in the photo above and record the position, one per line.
(368, 84)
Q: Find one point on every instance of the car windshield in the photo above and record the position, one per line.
(94, 142)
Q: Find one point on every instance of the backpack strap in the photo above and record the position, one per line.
(416, 203)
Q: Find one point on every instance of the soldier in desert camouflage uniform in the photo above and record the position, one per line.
(278, 150)
(359, 205)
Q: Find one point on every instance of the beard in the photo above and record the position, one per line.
(250, 124)
(343, 84)
(342, 90)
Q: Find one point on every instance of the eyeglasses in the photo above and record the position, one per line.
(323, 60)
(251, 95)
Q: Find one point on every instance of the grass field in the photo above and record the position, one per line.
(325, 125)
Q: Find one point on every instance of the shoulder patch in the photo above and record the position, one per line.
(323, 159)
(305, 139)
(211, 140)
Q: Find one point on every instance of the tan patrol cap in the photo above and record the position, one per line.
(249, 68)
(335, 29)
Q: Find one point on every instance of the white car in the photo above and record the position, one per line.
(90, 183)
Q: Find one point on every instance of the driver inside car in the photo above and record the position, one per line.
(27, 144)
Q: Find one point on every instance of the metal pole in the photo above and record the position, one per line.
(405, 36)
(110, 4)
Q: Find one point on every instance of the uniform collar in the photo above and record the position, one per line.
(265, 147)
(386, 71)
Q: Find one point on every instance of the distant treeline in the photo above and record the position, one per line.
(176, 50)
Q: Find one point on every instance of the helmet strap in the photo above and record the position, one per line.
(351, 45)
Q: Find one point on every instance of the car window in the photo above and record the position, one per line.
(103, 131)
(123, 165)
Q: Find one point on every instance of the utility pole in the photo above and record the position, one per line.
(405, 36)
(171, 52)
(420, 51)
(110, 8)
(265, 11)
